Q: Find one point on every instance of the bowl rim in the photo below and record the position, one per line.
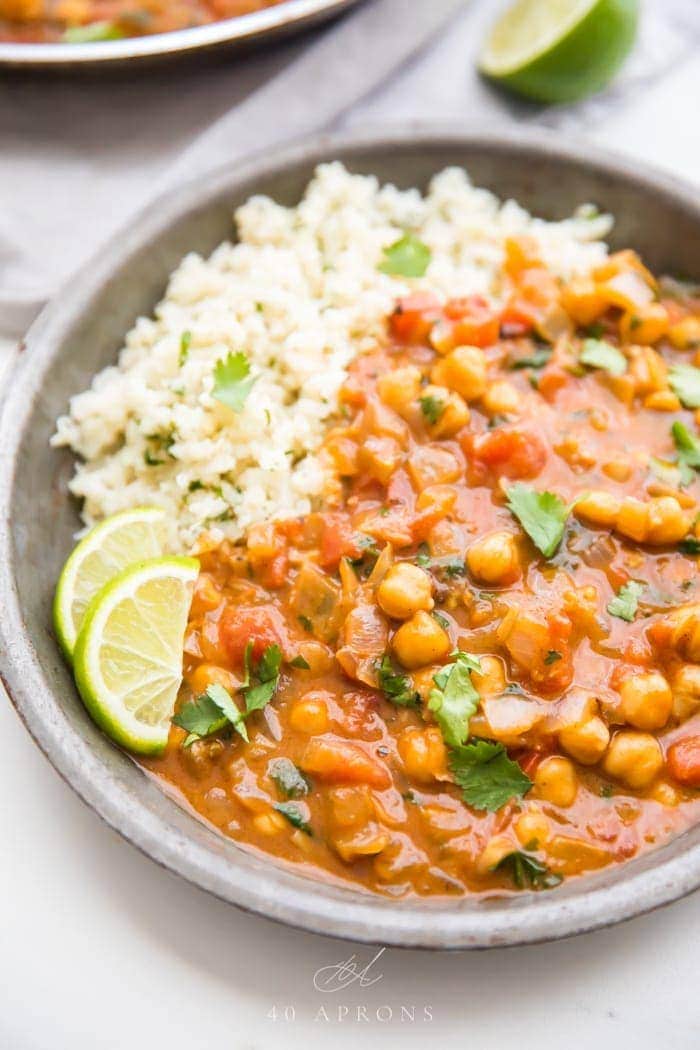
(283, 17)
(658, 878)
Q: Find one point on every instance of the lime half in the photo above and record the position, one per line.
(128, 656)
(559, 50)
(107, 550)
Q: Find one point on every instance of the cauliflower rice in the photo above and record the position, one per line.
(300, 293)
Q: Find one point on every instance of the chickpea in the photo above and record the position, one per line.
(648, 370)
(269, 823)
(310, 714)
(423, 753)
(646, 700)
(634, 758)
(404, 590)
(555, 781)
(685, 334)
(491, 680)
(420, 641)
(668, 522)
(209, 674)
(685, 686)
(399, 387)
(618, 469)
(532, 829)
(444, 412)
(598, 507)
(685, 634)
(464, 371)
(494, 558)
(586, 741)
(632, 519)
(501, 398)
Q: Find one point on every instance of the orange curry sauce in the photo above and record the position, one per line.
(416, 554)
(45, 21)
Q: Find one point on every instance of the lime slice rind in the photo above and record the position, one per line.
(119, 541)
(129, 678)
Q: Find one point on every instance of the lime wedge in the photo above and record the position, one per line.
(107, 550)
(128, 656)
(559, 50)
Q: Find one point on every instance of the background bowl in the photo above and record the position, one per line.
(81, 332)
(244, 31)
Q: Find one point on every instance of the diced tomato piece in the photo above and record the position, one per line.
(414, 316)
(517, 318)
(529, 761)
(683, 759)
(514, 453)
(338, 540)
(262, 625)
(339, 761)
(521, 253)
(474, 322)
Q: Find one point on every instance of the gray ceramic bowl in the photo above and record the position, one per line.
(246, 30)
(80, 333)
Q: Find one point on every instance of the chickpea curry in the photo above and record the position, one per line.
(475, 668)
(80, 21)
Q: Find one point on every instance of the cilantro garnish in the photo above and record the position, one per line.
(423, 555)
(624, 604)
(306, 623)
(552, 656)
(684, 380)
(296, 816)
(93, 33)
(267, 672)
(538, 359)
(233, 381)
(395, 686)
(542, 515)
(688, 451)
(300, 662)
(407, 257)
(209, 713)
(690, 545)
(432, 408)
(454, 699)
(290, 780)
(185, 342)
(596, 353)
(487, 776)
(524, 869)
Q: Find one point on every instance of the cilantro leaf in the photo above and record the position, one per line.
(269, 663)
(233, 381)
(423, 555)
(432, 408)
(552, 656)
(538, 359)
(300, 662)
(688, 451)
(542, 514)
(395, 686)
(407, 257)
(596, 353)
(267, 672)
(455, 700)
(296, 816)
(487, 776)
(524, 869)
(208, 714)
(185, 342)
(684, 381)
(624, 604)
(93, 33)
(290, 780)
(690, 545)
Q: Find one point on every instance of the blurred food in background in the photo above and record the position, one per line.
(83, 21)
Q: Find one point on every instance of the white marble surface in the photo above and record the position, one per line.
(100, 950)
